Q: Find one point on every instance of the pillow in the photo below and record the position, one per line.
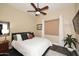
(24, 36)
(29, 35)
(19, 38)
(14, 37)
(32, 33)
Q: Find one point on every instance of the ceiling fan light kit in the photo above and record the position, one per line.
(38, 13)
(38, 10)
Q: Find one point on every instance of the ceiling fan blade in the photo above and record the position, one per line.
(43, 13)
(31, 11)
(34, 6)
(44, 8)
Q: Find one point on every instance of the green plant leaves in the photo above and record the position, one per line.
(69, 41)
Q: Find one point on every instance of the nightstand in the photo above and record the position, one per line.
(4, 46)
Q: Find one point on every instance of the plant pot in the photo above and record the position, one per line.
(70, 49)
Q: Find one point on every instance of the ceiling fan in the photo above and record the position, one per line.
(38, 10)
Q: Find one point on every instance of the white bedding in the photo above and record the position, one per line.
(32, 47)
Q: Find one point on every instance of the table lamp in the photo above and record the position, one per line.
(5, 30)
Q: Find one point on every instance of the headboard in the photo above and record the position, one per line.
(22, 33)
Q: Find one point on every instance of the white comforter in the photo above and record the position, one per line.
(32, 47)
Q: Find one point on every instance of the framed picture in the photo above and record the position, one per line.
(39, 26)
(76, 23)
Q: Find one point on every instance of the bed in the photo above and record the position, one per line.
(35, 46)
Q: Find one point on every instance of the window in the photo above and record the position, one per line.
(52, 27)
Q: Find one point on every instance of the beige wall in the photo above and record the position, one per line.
(76, 7)
(67, 12)
(38, 21)
(19, 21)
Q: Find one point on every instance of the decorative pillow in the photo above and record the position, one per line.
(32, 34)
(19, 37)
(29, 35)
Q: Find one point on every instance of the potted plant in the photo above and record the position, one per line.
(70, 41)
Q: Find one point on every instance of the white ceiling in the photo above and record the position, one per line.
(27, 6)
(52, 6)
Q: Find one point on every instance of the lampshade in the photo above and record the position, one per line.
(37, 12)
(5, 31)
(4, 26)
